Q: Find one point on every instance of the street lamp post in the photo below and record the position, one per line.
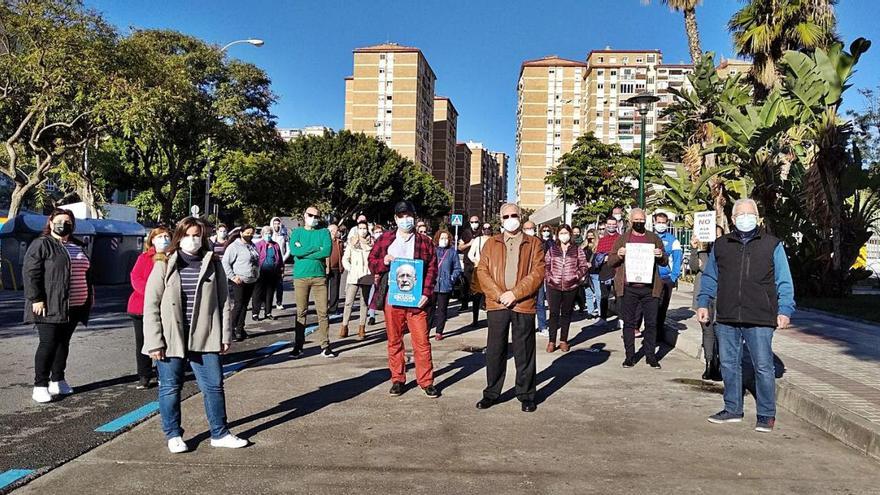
(643, 102)
(254, 42)
(564, 197)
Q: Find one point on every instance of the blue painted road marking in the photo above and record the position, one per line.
(9, 477)
(129, 418)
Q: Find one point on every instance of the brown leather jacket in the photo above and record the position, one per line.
(618, 262)
(529, 276)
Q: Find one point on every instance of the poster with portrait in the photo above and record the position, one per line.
(639, 262)
(405, 282)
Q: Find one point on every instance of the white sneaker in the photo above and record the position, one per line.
(279, 306)
(60, 388)
(41, 395)
(176, 445)
(544, 333)
(230, 441)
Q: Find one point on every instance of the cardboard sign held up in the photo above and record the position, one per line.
(704, 226)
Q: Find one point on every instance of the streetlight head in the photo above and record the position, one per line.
(256, 42)
(643, 101)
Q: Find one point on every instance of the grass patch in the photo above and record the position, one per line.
(864, 306)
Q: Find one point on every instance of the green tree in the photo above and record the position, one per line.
(689, 9)
(189, 106)
(764, 30)
(596, 176)
(59, 87)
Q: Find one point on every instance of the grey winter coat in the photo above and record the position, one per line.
(164, 317)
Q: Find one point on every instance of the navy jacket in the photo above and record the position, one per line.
(448, 269)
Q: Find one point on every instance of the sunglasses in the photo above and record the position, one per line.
(311, 215)
(512, 215)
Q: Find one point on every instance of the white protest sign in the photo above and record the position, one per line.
(704, 226)
(639, 263)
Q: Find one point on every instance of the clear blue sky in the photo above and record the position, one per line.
(475, 47)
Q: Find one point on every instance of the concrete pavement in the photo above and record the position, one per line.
(329, 426)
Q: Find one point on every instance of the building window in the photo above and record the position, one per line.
(558, 121)
(626, 87)
(381, 56)
(600, 72)
(651, 59)
(639, 60)
(381, 71)
(388, 97)
(550, 121)
(552, 71)
(388, 111)
(650, 80)
(600, 86)
(614, 73)
(577, 121)
(557, 134)
(601, 59)
(613, 86)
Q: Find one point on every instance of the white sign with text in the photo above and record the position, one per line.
(639, 263)
(704, 226)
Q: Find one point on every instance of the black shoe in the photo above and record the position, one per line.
(396, 389)
(239, 337)
(485, 403)
(372, 320)
(270, 317)
(706, 375)
(431, 391)
(628, 363)
(529, 406)
(255, 317)
(144, 383)
(654, 364)
(296, 352)
(328, 353)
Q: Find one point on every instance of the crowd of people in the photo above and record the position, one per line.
(194, 283)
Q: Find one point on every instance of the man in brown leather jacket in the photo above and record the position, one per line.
(510, 271)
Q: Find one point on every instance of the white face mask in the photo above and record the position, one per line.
(529, 231)
(406, 223)
(443, 243)
(746, 222)
(545, 235)
(660, 227)
(190, 244)
(475, 226)
(161, 243)
(511, 225)
(221, 235)
(617, 216)
(564, 238)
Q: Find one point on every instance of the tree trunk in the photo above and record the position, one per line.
(17, 199)
(693, 34)
(86, 193)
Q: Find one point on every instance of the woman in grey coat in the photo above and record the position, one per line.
(184, 300)
(241, 264)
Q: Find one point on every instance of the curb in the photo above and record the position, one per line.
(850, 429)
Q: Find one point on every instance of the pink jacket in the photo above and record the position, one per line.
(139, 275)
(565, 271)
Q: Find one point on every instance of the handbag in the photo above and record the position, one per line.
(381, 292)
(714, 370)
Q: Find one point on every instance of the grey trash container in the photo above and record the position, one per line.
(16, 236)
(116, 248)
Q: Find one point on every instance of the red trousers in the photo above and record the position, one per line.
(416, 321)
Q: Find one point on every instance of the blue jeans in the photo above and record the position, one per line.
(209, 376)
(730, 351)
(542, 307)
(594, 294)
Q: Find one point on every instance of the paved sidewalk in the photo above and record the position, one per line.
(832, 370)
(329, 426)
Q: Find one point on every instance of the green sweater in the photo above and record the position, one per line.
(308, 257)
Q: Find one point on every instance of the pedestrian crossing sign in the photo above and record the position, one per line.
(456, 220)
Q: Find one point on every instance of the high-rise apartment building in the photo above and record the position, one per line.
(445, 123)
(730, 67)
(549, 114)
(502, 160)
(289, 134)
(390, 95)
(484, 196)
(461, 192)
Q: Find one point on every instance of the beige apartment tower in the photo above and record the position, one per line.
(445, 123)
(390, 95)
(461, 192)
(502, 160)
(483, 196)
(551, 99)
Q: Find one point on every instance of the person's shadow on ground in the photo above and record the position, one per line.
(567, 367)
(306, 404)
(465, 366)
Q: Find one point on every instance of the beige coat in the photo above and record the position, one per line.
(355, 261)
(164, 310)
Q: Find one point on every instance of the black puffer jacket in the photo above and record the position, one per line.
(46, 274)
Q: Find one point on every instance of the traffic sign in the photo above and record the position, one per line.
(456, 220)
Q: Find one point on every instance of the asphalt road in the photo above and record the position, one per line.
(101, 368)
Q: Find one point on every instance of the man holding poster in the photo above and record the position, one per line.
(408, 261)
(638, 285)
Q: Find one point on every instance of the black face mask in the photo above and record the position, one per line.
(247, 238)
(639, 227)
(62, 229)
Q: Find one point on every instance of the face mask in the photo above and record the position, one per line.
(529, 231)
(564, 238)
(475, 226)
(247, 238)
(406, 224)
(377, 235)
(611, 230)
(617, 216)
(660, 227)
(639, 227)
(314, 222)
(545, 235)
(511, 225)
(161, 244)
(267, 237)
(578, 239)
(221, 235)
(62, 229)
(363, 232)
(746, 222)
(190, 244)
(444, 243)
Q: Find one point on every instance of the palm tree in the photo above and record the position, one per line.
(765, 29)
(689, 9)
